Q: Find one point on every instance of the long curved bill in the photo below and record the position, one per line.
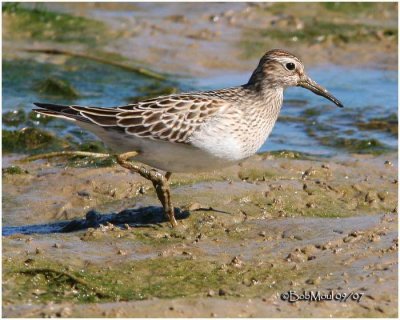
(319, 90)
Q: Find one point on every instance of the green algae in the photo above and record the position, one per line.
(191, 179)
(253, 174)
(37, 141)
(318, 23)
(39, 118)
(163, 277)
(319, 29)
(312, 112)
(362, 146)
(30, 140)
(287, 154)
(292, 119)
(14, 118)
(89, 162)
(53, 86)
(39, 23)
(349, 7)
(389, 124)
(13, 170)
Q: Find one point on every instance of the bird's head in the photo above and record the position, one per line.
(281, 69)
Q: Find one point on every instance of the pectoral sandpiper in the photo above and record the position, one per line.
(194, 131)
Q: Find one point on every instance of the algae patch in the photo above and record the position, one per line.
(56, 87)
(389, 124)
(30, 140)
(39, 23)
(14, 118)
(319, 23)
(361, 146)
(13, 170)
(164, 277)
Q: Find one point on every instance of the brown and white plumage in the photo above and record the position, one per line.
(200, 130)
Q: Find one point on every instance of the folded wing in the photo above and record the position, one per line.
(171, 118)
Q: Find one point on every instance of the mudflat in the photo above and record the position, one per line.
(85, 238)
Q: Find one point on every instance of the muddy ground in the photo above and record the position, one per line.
(251, 233)
(278, 222)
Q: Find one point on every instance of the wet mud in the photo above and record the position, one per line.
(246, 235)
(85, 238)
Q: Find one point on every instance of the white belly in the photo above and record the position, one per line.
(173, 157)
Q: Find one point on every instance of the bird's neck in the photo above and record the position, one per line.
(269, 97)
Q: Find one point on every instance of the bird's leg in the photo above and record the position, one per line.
(159, 181)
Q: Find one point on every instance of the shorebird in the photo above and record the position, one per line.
(194, 131)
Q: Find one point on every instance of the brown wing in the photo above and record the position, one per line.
(171, 118)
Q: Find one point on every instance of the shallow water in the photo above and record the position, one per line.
(307, 122)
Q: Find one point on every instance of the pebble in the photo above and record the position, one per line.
(64, 312)
(295, 257)
(382, 195)
(315, 281)
(296, 267)
(84, 193)
(221, 292)
(380, 309)
(310, 171)
(370, 198)
(141, 190)
(309, 249)
(310, 205)
(236, 262)
(210, 293)
(348, 239)
(356, 233)
(374, 238)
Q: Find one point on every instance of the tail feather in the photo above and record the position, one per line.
(55, 107)
(101, 116)
(59, 111)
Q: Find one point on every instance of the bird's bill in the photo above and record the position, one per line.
(319, 90)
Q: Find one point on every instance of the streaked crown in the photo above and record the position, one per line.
(277, 69)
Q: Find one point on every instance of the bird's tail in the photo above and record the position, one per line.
(104, 117)
(59, 111)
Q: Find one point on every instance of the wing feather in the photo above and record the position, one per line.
(171, 118)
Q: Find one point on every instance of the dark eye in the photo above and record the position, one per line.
(290, 66)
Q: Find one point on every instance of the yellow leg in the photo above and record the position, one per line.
(159, 181)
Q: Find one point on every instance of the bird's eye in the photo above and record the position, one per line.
(290, 66)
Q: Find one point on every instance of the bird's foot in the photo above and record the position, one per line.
(160, 183)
